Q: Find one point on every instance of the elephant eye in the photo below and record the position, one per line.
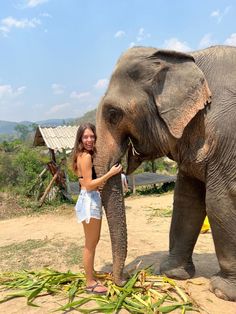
(134, 74)
(113, 115)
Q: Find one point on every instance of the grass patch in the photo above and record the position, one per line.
(17, 205)
(160, 212)
(23, 247)
(72, 252)
(37, 253)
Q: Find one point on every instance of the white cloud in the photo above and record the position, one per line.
(231, 40)
(142, 35)
(59, 109)
(78, 95)
(119, 34)
(37, 106)
(23, 23)
(7, 91)
(34, 3)
(20, 90)
(206, 41)
(4, 30)
(102, 83)
(220, 15)
(57, 89)
(11, 104)
(45, 14)
(215, 13)
(9, 22)
(175, 44)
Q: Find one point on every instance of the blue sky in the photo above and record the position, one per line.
(56, 56)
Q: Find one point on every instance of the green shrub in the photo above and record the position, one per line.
(165, 187)
(27, 165)
(19, 166)
(7, 171)
(162, 165)
(11, 146)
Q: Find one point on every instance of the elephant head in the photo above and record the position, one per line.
(152, 96)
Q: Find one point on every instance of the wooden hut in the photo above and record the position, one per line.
(57, 139)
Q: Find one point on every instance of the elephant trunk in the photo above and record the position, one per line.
(108, 153)
(113, 202)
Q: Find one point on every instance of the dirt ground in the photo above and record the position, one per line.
(56, 240)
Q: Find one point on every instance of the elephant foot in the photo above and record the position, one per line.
(223, 288)
(172, 269)
(121, 280)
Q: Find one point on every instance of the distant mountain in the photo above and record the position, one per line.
(55, 122)
(8, 127)
(89, 116)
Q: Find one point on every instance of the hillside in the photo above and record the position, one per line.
(8, 132)
(8, 127)
(89, 116)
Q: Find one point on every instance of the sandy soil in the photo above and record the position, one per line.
(147, 242)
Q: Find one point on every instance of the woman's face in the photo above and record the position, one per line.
(88, 139)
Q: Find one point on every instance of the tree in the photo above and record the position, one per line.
(27, 165)
(22, 130)
(33, 127)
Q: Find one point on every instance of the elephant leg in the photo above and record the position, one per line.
(189, 211)
(221, 209)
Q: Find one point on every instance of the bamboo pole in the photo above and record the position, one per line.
(38, 180)
(48, 189)
(42, 173)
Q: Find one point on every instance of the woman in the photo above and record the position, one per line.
(88, 207)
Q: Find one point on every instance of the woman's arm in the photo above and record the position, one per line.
(85, 164)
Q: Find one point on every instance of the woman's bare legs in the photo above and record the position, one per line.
(92, 236)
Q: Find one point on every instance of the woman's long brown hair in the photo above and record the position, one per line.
(79, 147)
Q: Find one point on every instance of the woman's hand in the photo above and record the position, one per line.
(117, 168)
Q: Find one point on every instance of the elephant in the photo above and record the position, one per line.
(181, 105)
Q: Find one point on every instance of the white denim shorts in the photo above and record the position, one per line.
(88, 205)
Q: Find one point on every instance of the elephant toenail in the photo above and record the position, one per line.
(221, 295)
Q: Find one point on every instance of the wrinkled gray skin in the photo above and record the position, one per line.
(182, 106)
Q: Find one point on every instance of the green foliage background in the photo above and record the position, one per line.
(20, 166)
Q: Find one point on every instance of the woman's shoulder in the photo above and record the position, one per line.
(84, 156)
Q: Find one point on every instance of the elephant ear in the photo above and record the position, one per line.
(180, 89)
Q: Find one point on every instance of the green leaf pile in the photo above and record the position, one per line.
(143, 292)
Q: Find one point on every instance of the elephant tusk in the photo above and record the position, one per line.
(134, 151)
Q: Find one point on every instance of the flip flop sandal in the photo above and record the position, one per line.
(91, 289)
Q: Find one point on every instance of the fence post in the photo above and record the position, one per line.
(133, 183)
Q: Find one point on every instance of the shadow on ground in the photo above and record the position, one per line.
(206, 264)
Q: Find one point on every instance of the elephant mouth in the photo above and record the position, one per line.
(132, 147)
(134, 158)
(132, 155)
